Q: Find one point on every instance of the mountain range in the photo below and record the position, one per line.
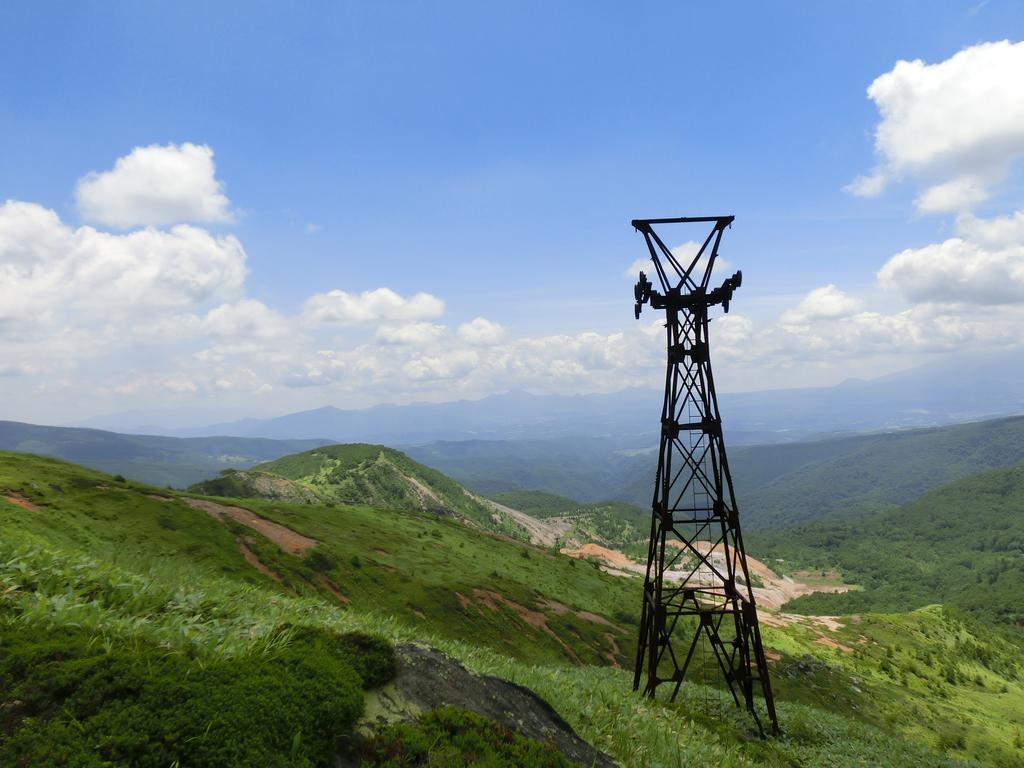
(951, 390)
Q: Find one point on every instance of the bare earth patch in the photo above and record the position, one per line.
(331, 587)
(21, 501)
(774, 592)
(536, 619)
(254, 561)
(545, 533)
(290, 541)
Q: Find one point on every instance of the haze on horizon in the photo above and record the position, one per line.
(250, 212)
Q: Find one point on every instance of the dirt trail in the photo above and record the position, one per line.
(254, 561)
(331, 587)
(290, 541)
(21, 501)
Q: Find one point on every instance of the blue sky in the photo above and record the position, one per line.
(487, 154)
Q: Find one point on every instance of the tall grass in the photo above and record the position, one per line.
(216, 618)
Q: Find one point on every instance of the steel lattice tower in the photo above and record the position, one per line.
(697, 589)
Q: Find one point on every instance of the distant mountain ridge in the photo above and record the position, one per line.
(154, 459)
(776, 485)
(947, 391)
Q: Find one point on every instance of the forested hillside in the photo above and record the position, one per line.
(962, 544)
(780, 484)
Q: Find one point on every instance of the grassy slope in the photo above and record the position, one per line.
(365, 474)
(414, 565)
(838, 708)
(962, 544)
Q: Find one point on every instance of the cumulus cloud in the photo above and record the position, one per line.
(956, 195)
(418, 334)
(481, 331)
(684, 254)
(155, 186)
(381, 304)
(957, 126)
(957, 271)
(825, 302)
(994, 232)
(50, 270)
(246, 319)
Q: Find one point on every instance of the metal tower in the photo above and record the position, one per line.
(697, 590)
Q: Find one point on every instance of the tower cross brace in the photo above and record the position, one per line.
(697, 588)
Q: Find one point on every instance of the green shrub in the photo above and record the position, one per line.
(450, 737)
(66, 700)
(319, 560)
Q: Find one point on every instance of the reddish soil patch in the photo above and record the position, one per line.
(290, 541)
(381, 552)
(536, 619)
(158, 497)
(556, 608)
(254, 561)
(464, 601)
(21, 501)
(594, 618)
(828, 642)
(615, 652)
(610, 556)
(772, 656)
(331, 587)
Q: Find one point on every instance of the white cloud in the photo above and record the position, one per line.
(867, 186)
(155, 186)
(957, 125)
(417, 334)
(381, 304)
(957, 195)
(684, 254)
(1001, 231)
(638, 266)
(51, 272)
(957, 271)
(246, 319)
(442, 367)
(481, 331)
(825, 302)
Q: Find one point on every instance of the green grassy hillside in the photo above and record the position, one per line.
(962, 544)
(112, 588)
(434, 571)
(358, 474)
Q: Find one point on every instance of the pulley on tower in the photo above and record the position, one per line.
(697, 589)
